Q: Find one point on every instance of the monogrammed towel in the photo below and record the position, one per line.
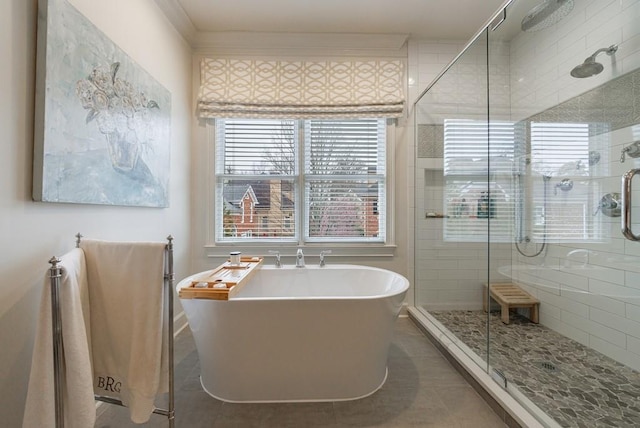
(79, 404)
(127, 328)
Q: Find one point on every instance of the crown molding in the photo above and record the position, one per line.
(308, 44)
(178, 18)
(260, 43)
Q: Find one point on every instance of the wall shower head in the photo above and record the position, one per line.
(590, 67)
(546, 14)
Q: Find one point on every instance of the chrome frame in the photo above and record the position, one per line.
(55, 273)
(500, 15)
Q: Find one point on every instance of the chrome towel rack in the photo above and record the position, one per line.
(55, 273)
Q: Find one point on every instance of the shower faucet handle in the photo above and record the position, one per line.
(632, 150)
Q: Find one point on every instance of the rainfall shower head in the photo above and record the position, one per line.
(546, 14)
(590, 67)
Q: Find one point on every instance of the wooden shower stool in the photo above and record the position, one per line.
(510, 296)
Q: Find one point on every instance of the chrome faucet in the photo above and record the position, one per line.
(277, 253)
(299, 258)
(322, 253)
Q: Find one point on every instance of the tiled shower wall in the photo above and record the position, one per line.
(449, 275)
(589, 292)
(542, 60)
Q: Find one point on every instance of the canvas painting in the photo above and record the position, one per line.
(103, 123)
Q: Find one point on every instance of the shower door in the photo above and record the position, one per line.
(568, 98)
(454, 200)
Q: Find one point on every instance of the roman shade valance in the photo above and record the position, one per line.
(235, 88)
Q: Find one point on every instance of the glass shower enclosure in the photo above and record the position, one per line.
(527, 212)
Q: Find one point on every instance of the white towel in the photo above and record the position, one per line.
(79, 404)
(127, 328)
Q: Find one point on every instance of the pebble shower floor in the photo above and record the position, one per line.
(573, 384)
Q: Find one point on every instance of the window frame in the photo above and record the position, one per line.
(384, 248)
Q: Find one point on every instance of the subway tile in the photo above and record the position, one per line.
(549, 313)
(606, 35)
(608, 334)
(588, 299)
(615, 322)
(618, 353)
(632, 310)
(569, 331)
(632, 280)
(566, 304)
(633, 345)
(458, 274)
(568, 278)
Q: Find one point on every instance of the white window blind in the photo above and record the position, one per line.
(560, 151)
(345, 174)
(256, 179)
(339, 197)
(480, 170)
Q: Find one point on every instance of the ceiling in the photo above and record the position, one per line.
(427, 19)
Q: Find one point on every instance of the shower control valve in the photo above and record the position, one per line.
(632, 150)
(610, 205)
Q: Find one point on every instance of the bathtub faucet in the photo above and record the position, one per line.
(299, 258)
(322, 254)
(277, 253)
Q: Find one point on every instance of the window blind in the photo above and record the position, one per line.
(480, 171)
(560, 151)
(339, 195)
(300, 89)
(256, 179)
(345, 179)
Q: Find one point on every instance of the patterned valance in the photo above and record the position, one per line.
(300, 89)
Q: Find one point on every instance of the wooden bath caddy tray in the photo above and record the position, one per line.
(233, 277)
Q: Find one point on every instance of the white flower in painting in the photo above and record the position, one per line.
(120, 112)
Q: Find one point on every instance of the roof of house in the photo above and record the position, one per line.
(234, 191)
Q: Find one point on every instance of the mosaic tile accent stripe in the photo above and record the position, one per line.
(573, 384)
(613, 105)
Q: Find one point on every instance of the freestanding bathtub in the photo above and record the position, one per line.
(298, 334)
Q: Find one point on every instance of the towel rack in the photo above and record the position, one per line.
(55, 273)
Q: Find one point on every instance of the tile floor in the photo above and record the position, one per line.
(422, 390)
(575, 385)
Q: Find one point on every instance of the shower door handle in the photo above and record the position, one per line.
(626, 205)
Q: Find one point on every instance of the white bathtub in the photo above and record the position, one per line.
(298, 334)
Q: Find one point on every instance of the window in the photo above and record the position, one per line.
(300, 180)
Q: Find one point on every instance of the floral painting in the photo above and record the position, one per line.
(102, 121)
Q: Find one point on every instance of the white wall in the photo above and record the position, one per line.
(33, 232)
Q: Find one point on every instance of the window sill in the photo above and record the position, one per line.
(312, 250)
